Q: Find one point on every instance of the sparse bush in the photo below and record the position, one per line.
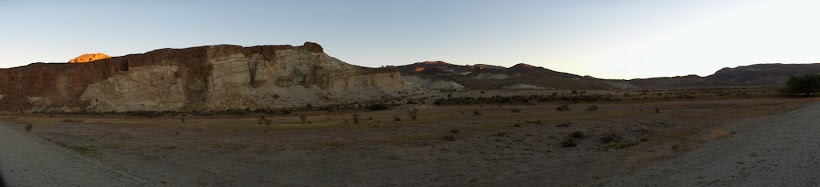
(378, 106)
(29, 127)
(303, 118)
(564, 107)
(578, 134)
(568, 142)
(356, 118)
(657, 110)
(454, 131)
(449, 138)
(515, 111)
(611, 137)
(593, 108)
(517, 125)
(476, 113)
(261, 120)
(414, 113)
(396, 119)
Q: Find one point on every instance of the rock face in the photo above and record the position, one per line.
(214, 78)
(89, 57)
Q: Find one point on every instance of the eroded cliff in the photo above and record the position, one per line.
(212, 78)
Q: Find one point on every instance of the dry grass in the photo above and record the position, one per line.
(719, 134)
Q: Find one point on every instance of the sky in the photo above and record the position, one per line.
(605, 38)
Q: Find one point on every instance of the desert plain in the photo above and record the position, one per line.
(529, 142)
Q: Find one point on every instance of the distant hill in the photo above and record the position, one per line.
(442, 75)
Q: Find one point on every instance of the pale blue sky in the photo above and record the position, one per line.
(608, 39)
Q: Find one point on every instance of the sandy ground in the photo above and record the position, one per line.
(447, 145)
(777, 151)
(29, 161)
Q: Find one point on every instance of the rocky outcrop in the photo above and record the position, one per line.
(211, 78)
(89, 57)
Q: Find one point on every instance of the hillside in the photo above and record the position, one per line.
(214, 78)
(442, 75)
(445, 76)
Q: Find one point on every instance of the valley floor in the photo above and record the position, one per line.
(529, 144)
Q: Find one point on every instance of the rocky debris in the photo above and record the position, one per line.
(215, 78)
(89, 58)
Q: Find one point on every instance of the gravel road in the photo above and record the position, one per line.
(29, 161)
(782, 150)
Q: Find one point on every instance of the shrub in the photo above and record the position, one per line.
(476, 112)
(515, 111)
(449, 138)
(356, 118)
(807, 84)
(578, 134)
(611, 137)
(261, 120)
(303, 118)
(378, 106)
(593, 108)
(564, 107)
(414, 113)
(568, 142)
(29, 127)
(454, 131)
(396, 119)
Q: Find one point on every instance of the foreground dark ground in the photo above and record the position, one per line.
(524, 144)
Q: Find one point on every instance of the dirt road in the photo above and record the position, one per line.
(29, 161)
(782, 150)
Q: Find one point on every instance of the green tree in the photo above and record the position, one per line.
(800, 84)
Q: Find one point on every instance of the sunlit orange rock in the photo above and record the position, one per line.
(88, 58)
